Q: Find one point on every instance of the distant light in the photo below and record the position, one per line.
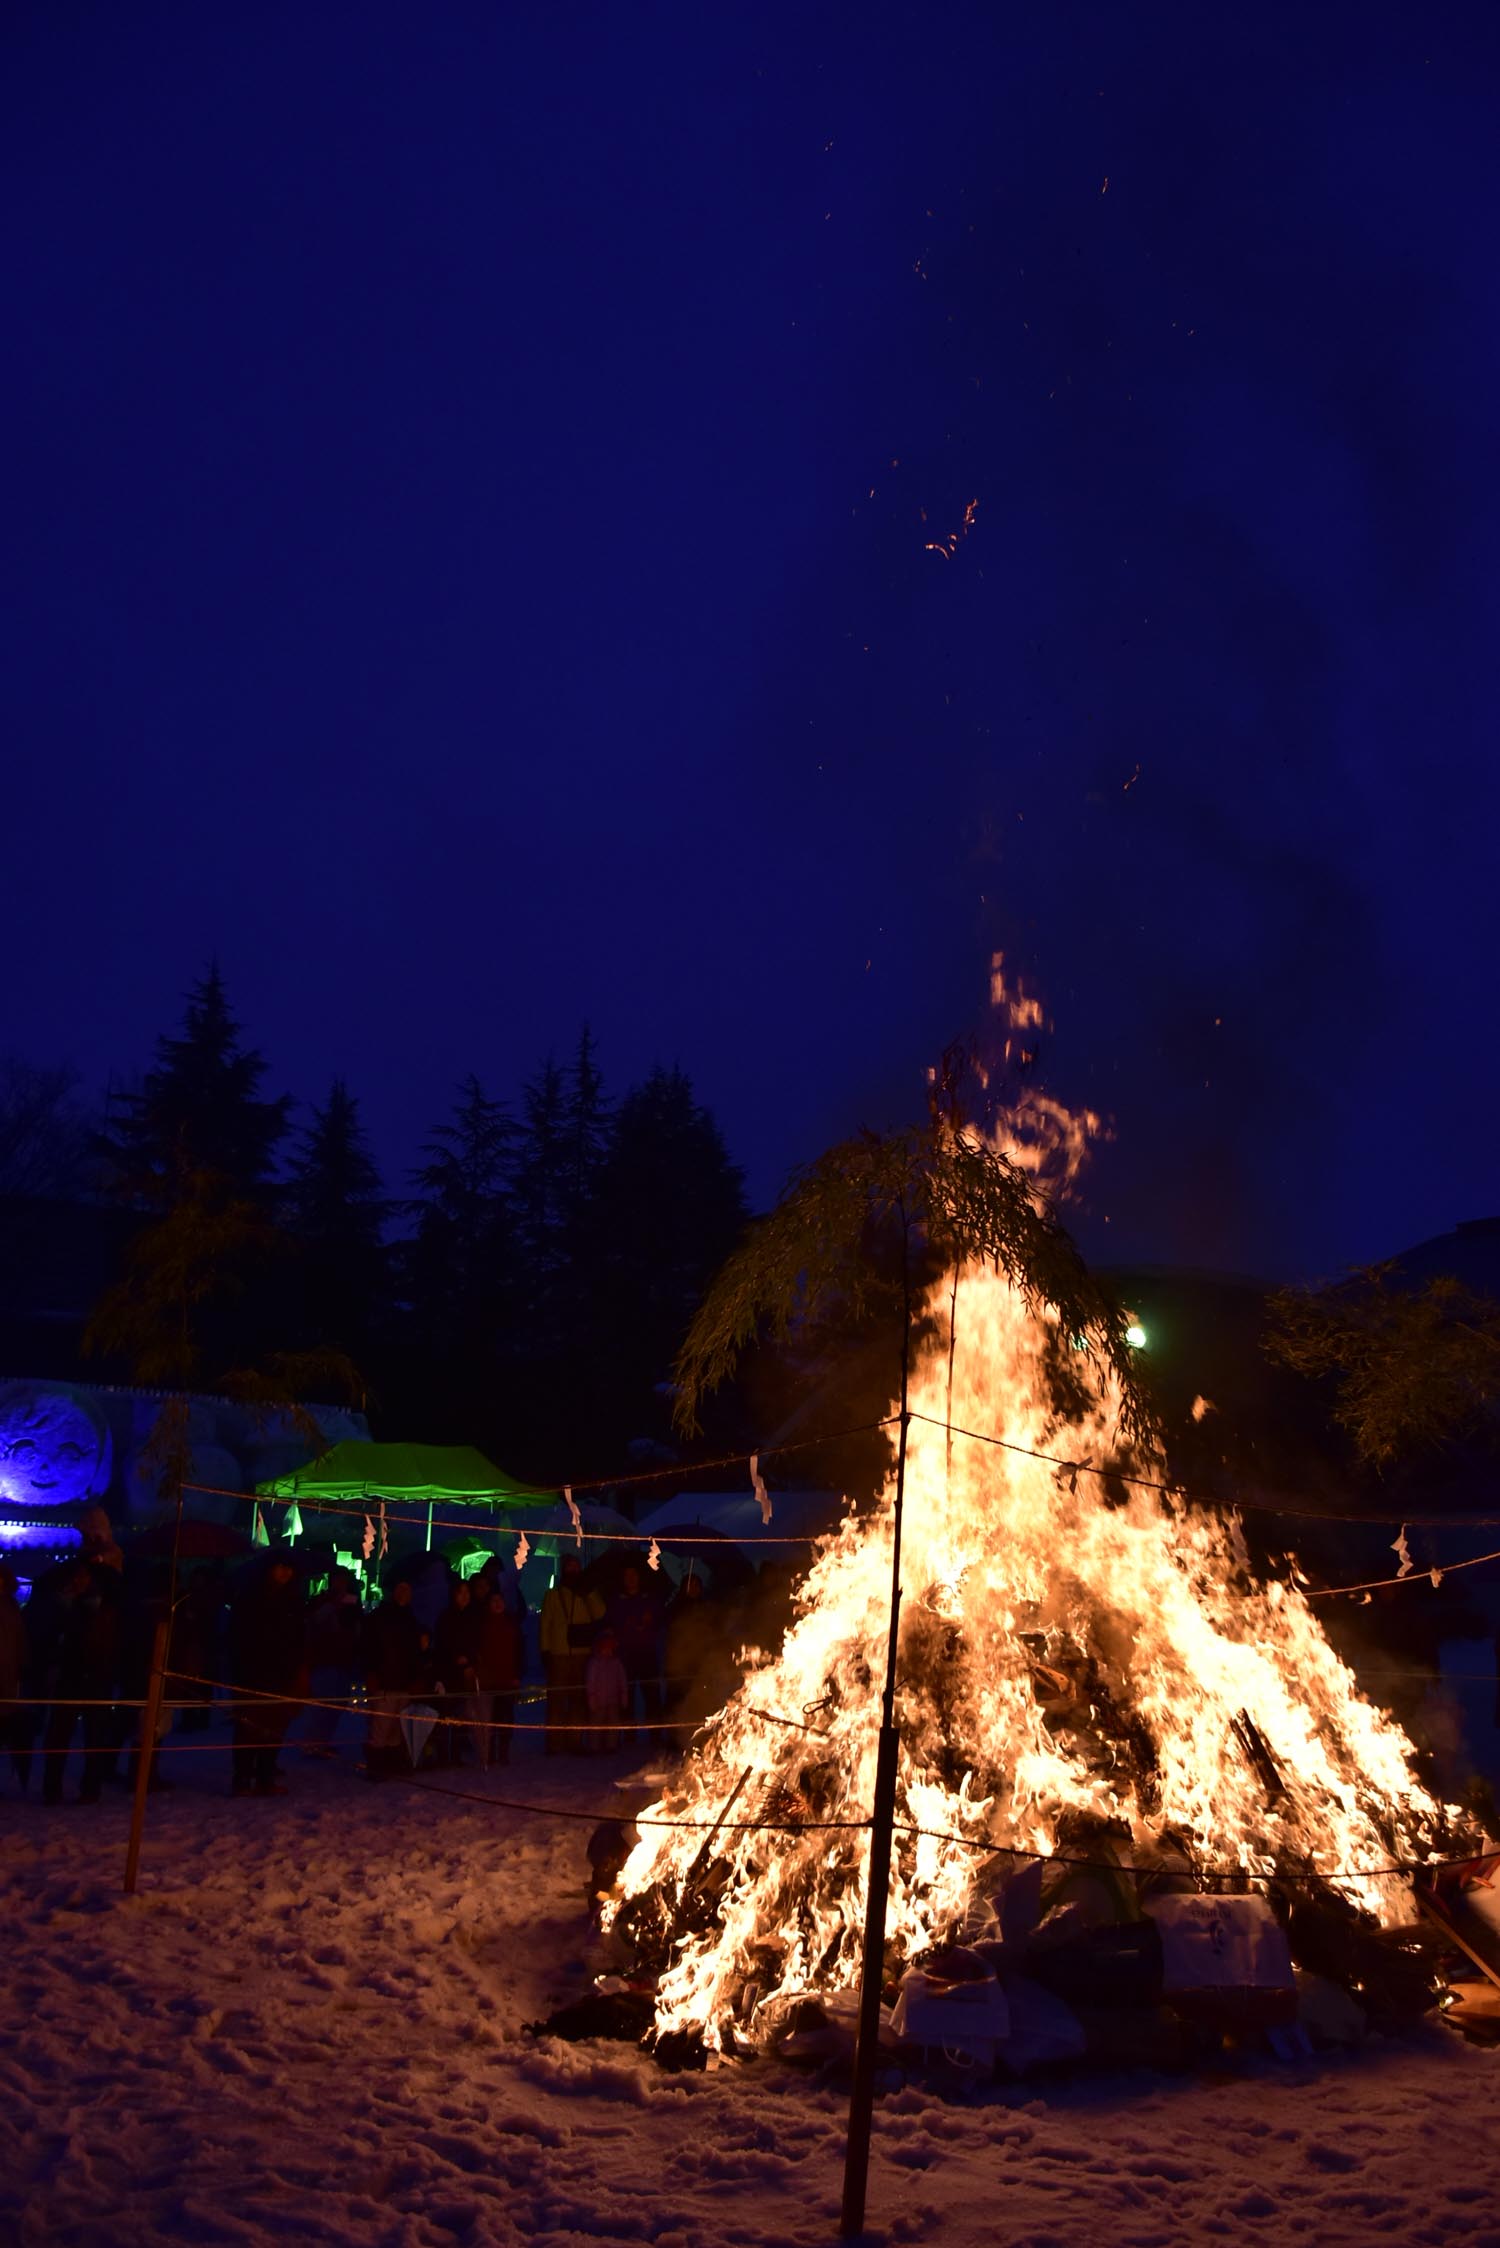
(1135, 1335)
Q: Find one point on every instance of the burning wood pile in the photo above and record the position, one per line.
(1128, 1767)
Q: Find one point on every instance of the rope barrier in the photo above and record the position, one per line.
(1204, 1498)
(345, 1510)
(416, 1700)
(1201, 1873)
(692, 1826)
(1060, 1461)
(1411, 1576)
(564, 1533)
(985, 1844)
(967, 1842)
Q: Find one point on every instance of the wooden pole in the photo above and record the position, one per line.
(882, 1825)
(150, 1719)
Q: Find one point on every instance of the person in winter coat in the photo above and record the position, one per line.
(569, 1614)
(333, 1643)
(607, 1691)
(634, 1615)
(394, 1648)
(497, 1670)
(455, 1643)
(15, 1727)
(495, 1575)
(696, 1673)
(431, 1588)
(79, 1656)
(267, 1655)
(99, 1542)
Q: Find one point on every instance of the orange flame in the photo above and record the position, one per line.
(1019, 1582)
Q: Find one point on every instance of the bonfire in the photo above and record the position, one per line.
(1087, 1667)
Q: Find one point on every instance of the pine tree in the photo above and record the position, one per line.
(199, 1110)
(671, 1207)
(463, 1179)
(191, 1152)
(458, 1261)
(193, 1311)
(45, 1133)
(540, 1173)
(336, 1213)
(585, 1135)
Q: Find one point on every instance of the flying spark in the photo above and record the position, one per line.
(949, 546)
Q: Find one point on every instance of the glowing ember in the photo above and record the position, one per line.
(1072, 1652)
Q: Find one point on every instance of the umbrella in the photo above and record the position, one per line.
(797, 1518)
(608, 1566)
(417, 1721)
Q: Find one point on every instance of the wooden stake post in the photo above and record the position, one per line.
(882, 1824)
(150, 1719)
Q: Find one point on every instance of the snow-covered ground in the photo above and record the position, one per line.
(307, 2027)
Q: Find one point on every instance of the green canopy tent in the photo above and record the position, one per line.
(410, 1475)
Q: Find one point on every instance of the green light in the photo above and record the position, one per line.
(1135, 1335)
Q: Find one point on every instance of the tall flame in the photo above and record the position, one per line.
(1139, 1621)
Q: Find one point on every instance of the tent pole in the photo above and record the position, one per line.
(430, 1504)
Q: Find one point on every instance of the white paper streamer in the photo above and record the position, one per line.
(1436, 1576)
(653, 1558)
(385, 1539)
(369, 1538)
(761, 1492)
(1403, 1551)
(523, 1552)
(573, 1511)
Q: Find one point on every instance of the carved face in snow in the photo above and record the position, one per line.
(53, 1450)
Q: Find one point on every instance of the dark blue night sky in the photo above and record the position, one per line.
(473, 476)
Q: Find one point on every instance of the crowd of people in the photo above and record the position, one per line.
(437, 1668)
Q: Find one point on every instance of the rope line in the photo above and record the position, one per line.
(693, 1826)
(984, 1844)
(255, 1695)
(1204, 1498)
(690, 1536)
(1413, 1575)
(967, 1842)
(346, 1508)
(351, 1510)
(1204, 1873)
